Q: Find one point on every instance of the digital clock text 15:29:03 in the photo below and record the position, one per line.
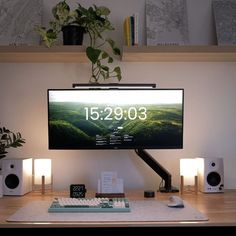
(117, 113)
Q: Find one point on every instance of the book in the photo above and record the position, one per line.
(127, 31)
(225, 21)
(136, 29)
(166, 22)
(131, 31)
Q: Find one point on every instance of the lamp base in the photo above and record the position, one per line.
(195, 186)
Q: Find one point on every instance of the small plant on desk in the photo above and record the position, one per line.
(9, 139)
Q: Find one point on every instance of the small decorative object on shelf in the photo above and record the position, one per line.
(95, 22)
(9, 139)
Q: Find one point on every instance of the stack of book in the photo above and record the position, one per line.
(131, 30)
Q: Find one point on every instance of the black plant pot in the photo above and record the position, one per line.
(73, 35)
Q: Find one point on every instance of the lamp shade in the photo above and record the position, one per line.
(188, 169)
(42, 167)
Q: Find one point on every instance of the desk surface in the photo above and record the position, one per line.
(220, 208)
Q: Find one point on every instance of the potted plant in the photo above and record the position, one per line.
(66, 21)
(9, 139)
(95, 22)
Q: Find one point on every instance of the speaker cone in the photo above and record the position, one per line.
(213, 179)
(12, 181)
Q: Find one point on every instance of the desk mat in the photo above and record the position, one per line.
(141, 211)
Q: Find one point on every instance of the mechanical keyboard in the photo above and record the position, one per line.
(89, 205)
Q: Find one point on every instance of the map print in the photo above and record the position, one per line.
(166, 22)
(18, 19)
(225, 21)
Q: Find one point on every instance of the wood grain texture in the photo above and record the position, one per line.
(179, 54)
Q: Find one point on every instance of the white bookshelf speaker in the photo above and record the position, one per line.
(17, 176)
(210, 175)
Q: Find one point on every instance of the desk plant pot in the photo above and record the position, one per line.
(73, 35)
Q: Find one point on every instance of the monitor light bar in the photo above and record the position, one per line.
(114, 85)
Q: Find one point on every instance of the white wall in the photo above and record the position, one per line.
(210, 111)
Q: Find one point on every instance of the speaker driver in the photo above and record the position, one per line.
(213, 179)
(12, 181)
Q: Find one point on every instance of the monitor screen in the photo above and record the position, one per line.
(115, 118)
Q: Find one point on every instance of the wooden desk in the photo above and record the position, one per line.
(219, 207)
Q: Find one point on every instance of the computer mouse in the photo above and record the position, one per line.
(175, 201)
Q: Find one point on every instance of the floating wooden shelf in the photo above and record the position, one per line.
(179, 53)
(76, 54)
(65, 54)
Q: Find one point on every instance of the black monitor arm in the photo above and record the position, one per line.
(159, 169)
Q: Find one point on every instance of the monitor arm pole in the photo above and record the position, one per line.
(159, 169)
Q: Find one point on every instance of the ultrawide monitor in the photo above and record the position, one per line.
(115, 118)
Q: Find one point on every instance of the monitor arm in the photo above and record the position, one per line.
(159, 169)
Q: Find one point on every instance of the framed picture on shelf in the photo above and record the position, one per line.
(18, 19)
(225, 21)
(166, 22)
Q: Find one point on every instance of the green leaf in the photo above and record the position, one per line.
(93, 54)
(106, 68)
(51, 34)
(111, 42)
(117, 70)
(110, 60)
(104, 10)
(116, 51)
(4, 137)
(104, 55)
(119, 77)
(21, 141)
(6, 130)
(104, 75)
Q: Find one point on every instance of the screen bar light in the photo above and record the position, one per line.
(114, 85)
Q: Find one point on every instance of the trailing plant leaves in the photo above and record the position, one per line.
(93, 54)
(104, 55)
(103, 11)
(95, 21)
(61, 11)
(118, 73)
(110, 60)
(117, 70)
(116, 51)
(106, 68)
(111, 42)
